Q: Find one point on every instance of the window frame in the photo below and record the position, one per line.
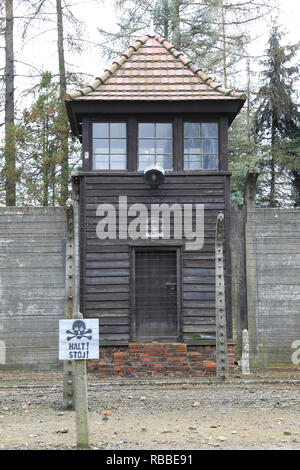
(201, 121)
(91, 139)
(154, 121)
(177, 120)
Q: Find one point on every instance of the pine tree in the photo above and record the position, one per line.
(243, 154)
(39, 146)
(293, 164)
(277, 118)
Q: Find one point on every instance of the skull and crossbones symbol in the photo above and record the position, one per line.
(79, 331)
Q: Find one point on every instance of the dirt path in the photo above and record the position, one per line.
(169, 415)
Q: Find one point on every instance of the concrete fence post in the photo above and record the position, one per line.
(250, 261)
(221, 330)
(245, 354)
(70, 306)
(81, 401)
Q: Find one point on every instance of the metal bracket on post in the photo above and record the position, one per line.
(221, 332)
(70, 308)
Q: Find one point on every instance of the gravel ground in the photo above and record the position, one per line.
(260, 412)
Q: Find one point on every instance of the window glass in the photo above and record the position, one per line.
(164, 130)
(109, 146)
(201, 146)
(192, 146)
(118, 162)
(145, 161)
(209, 129)
(193, 162)
(210, 162)
(118, 146)
(118, 129)
(146, 146)
(210, 146)
(192, 129)
(165, 161)
(146, 129)
(101, 162)
(100, 146)
(100, 129)
(164, 146)
(155, 145)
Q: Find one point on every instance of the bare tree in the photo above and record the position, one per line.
(233, 20)
(62, 91)
(33, 19)
(9, 148)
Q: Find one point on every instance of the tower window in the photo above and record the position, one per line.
(201, 146)
(155, 145)
(109, 146)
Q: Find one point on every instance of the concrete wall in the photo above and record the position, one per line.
(32, 285)
(273, 284)
(265, 285)
(266, 279)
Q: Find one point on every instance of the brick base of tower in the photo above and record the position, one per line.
(157, 360)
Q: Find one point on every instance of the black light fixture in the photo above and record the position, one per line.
(154, 176)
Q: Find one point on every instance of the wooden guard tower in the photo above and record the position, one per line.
(154, 297)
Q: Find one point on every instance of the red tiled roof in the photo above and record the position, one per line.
(152, 69)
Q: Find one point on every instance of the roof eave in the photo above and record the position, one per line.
(72, 116)
(76, 109)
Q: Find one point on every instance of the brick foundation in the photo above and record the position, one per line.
(157, 359)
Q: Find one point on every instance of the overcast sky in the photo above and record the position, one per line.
(289, 17)
(42, 53)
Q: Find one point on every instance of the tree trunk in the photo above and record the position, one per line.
(224, 46)
(272, 197)
(45, 163)
(9, 149)
(176, 23)
(248, 100)
(166, 20)
(296, 187)
(45, 185)
(62, 85)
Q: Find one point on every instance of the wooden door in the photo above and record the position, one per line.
(156, 295)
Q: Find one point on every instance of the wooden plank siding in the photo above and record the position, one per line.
(106, 275)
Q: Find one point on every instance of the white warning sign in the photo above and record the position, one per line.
(78, 339)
